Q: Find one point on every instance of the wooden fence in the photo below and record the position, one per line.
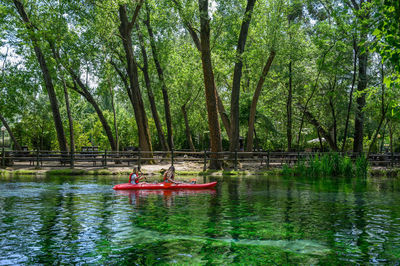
(105, 159)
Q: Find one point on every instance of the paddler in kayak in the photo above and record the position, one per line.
(169, 175)
(134, 177)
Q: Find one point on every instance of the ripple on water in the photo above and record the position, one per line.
(248, 221)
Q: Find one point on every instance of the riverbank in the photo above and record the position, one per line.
(182, 169)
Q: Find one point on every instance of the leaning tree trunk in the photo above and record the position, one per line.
(115, 117)
(70, 120)
(46, 76)
(17, 146)
(161, 78)
(224, 117)
(237, 74)
(308, 115)
(150, 94)
(85, 93)
(209, 84)
(253, 108)
(125, 30)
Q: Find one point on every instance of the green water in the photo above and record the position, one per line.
(253, 220)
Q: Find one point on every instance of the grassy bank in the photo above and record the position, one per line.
(323, 167)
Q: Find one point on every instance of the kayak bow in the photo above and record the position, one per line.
(163, 185)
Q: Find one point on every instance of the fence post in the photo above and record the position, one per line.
(139, 160)
(391, 159)
(236, 158)
(298, 157)
(37, 159)
(268, 159)
(172, 157)
(205, 161)
(105, 159)
(72, 163)
(3, 159)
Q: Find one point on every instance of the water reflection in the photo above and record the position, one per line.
(168, 195)
(252, 220)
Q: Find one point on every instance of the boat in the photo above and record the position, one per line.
(163, 185)
(164, 192)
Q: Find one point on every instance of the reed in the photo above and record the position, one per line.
(332, 164)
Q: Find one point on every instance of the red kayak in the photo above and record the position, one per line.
(163, 185)
(165, 192)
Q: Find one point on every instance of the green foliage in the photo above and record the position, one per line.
(361, 165)
(315, 37)
(331, 164)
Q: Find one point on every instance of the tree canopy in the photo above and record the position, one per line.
(201, 74)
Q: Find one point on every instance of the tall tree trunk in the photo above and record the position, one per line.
(187, 128)
(17, 146)
(160, 73)
(237, 74)
(360, 100)
(355, 49)
(125, 30)
(289, 110)
(209, 84)
(362, 15)
(196, 40)
(253, 108)
(46, 76)
(150, 94)
(333, 111)
(56, 56)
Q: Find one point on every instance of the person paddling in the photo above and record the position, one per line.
(134, 177)
(169, 175)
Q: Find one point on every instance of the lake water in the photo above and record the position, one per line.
(245, 220)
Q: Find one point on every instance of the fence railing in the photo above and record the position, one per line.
(107, 159)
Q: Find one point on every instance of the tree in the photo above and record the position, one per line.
(209, 84)
(46, 75)
(160, 73)
(145, 70)
(237, 74)
(125, 30)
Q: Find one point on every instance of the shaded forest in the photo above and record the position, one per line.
(288, 75)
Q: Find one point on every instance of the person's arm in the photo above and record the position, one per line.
(130, 178)
(173, 181)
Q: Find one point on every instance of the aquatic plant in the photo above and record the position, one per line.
(332, 164)
(361, 166)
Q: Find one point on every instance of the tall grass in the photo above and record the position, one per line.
(332, 164)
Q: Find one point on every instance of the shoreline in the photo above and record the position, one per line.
(157, 170)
